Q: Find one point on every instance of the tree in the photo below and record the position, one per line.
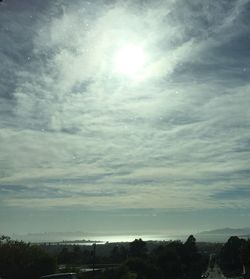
(230, 259)
(23, 260)
(245, 257)
(142, 268)
(190, 245)
(64, 257)
(192, 260)
(168, 260)
(118, 254)
(138, 248)
(77, 254)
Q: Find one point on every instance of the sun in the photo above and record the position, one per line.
(130, 60)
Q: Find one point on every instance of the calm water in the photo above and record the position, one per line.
(123, 238)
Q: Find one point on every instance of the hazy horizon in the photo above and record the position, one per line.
(87, 238)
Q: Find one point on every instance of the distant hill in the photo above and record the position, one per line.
(231, 231)
(222, 235)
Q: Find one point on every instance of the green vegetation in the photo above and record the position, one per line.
(19, 260)
(170, 260)
(234, 257)
(135, 260)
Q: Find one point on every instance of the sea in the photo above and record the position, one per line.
(119, 239)
(85, 239)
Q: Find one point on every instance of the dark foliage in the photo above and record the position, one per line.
(245, 253)
(23, 261)
(173, 260)
(234, 258)
(138, 248)
(75, 256)
(245, 257)
(230, 259)
(168, 260)
(118, 254)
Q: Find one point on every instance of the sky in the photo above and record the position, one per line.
(124, 116)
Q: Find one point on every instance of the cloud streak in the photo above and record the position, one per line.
(76, 133)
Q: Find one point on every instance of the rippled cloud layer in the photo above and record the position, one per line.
(75, 132)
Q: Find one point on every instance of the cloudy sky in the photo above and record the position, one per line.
(124, 116)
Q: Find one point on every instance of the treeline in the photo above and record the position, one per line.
(172, 260)
(234, 257)
(134, 260)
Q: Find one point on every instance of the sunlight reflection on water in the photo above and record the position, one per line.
(121, 238)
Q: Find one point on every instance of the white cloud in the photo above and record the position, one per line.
(161, 139)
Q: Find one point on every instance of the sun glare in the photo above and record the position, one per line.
(129, 60)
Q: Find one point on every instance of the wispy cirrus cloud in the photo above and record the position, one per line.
(74, 132)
